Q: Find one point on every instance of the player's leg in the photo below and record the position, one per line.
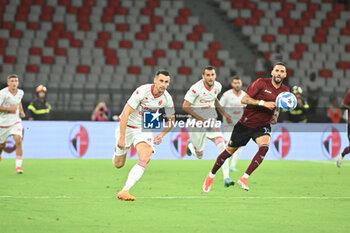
(263, 143)
(144, 151)
(220, 144)
(345, 151)
(2, 147)
(239, 137)
(227, 133)
(234, 160)
(196, 143)
(19, 153)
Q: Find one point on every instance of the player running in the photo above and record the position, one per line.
(231, 101)
(346, 105)
(254, 124)
(200, 103)
(11, 112)
(146, 98)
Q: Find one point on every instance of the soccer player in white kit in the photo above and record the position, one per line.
(146, 98)
(200, 103)
(11, 112)
(231, 101)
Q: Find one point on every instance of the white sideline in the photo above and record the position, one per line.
(331, 162)
(172, 197)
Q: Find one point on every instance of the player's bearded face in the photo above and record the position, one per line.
(279, 73)
(161, 83)
(12, 83)
(209, 77)
(236, 85)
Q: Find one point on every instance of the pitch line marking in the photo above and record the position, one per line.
(332, 162)
(174, 197)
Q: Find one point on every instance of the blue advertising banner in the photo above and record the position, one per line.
(95, 140)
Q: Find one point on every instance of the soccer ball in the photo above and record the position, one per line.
(287, 101)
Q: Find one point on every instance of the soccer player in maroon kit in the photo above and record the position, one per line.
(254, 124)
(346, 105)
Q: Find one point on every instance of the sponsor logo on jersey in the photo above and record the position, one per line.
(330, 142)
(267, 91)
(78, 141)
(281, 143)
(151, 120)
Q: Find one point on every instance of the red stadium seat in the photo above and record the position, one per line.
(60, 52)
(101, 44)
(10, 59)
(147, 28)
(215, 45)
(35, 51)
(257, 13)
(302, 22)
(152, 4)
(327, 23)
(3, 43)
(345, 31)
(347, 48)
(185, 70)
(58, 27)
(216, 62)
(325, 73)
(32, 68)
(297, 30)
(109, 52)
(104, 35)
(112, 61)
(158, 53)
(2, 51)
(194, 37)
(121, 11)
(185, 12)
(239, 22)
(287, 6)
(313, 6)
(141, 36)
(320, 39)
(180, 20)
(210, 54)
(199, 29)
(66, 35)
(284, 30)
(295, 56)
(267, 55)
(237, 4)
(126, 44)
(39, 2)
(83, 69)
(47, 60)
(177, 45)
(253, 21)
(290, 73)
(84, 27)
(7, 25)
(146, 11)
(300, 47)
(51, 43)
(122, 27)
(150, 61)
(156, 19)
(268, 38)
(16, 33)
(343, 65)
(134, 70)
(107, 18)
(33, 26)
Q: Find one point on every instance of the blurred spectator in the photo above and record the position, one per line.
(101, 112)
(260, 65)
(298, 115)
(334, 112)
(277, 56)
(39, 109)
(313, 92)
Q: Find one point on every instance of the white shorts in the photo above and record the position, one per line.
(200, 136)
(133, 136)
(6, 132)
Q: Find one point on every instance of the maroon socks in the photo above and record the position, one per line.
(220, 161)
(346, 151)
(258, 158)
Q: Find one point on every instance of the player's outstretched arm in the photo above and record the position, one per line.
(250, 101)
(123, 123)
(170, 125)
(186, 107)
(21, 112)
(13, 108)
(222, 111)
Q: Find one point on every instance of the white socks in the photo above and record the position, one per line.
(134, 175)
(225, 167)
(245, 175)
(19, 162)
(235, 157)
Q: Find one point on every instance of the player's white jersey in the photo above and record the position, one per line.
(203, 99)
(8, 99)
(143, 100)
(232, 104)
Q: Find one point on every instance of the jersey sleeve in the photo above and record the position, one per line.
(136, 97)
(191, 94)
(169, 108)
(346, 99)
(254, 88)
(2, 98)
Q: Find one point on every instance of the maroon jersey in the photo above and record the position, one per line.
(347, 102)
(261, 89)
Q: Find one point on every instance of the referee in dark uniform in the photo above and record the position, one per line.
(39, 109)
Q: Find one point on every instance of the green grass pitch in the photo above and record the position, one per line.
(79, 196)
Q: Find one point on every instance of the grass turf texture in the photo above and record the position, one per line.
(79, 196)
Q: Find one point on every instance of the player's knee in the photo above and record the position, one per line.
(231, 150)
(263, 149)
(118, 161)
(18, 141)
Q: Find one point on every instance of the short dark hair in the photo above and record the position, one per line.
(208, 68)
(163, 72)
(12, 76)
(236, 77)
(280, 64)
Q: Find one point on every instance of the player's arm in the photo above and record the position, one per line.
(123, 124)
(13, 108)
(250, 101)
(21, 112)
(170, 125)
(186, 107)
(222, 111)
